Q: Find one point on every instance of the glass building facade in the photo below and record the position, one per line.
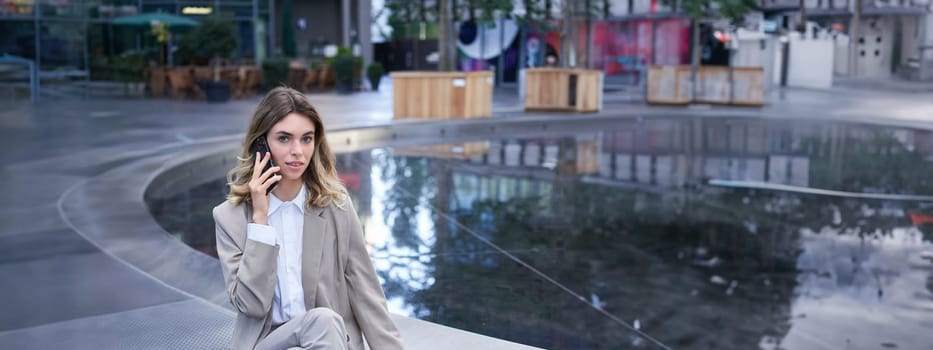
(66, 36)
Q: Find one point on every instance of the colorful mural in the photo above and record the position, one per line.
(627, 47)
(622, 49)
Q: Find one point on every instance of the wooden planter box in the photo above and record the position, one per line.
(668, 85)
(464, 150)
(156, 81)
(714, 86)
(749, 86)
(671, 85)
(563, 89)
(441, 95)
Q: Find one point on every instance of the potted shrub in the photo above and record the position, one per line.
(274, 72)
(374, 72)
(130, 68)
(216, 40)
(343, 73)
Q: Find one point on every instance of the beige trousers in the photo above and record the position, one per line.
(318, 329)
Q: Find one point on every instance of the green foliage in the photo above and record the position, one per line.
(274, 72)
(345, 53)
(401, 14)
(344, 67)
(316, 63)
(731, 9)
(488, 8)
(130, 67)
(214, 38)
(413, 30)
(406, 16)
(160, 31)
(734, 10)
(403, 11)
(535, 12)
(375, 71)
(100, 66)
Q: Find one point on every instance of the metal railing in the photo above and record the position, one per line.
(923, 69)
(10, 77)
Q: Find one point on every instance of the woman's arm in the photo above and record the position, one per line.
(249, 271)
(366, 296)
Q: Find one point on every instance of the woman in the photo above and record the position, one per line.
(294, 259)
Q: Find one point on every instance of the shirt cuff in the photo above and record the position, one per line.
(261, 233)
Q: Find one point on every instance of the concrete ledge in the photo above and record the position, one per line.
(109, 209)
(119, 223)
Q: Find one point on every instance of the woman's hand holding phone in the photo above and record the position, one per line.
(259, 186)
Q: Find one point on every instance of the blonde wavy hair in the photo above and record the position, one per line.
(324, 186)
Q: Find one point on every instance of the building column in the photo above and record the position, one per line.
(926, 44)
(271, 29)
(855, 30)
(345, 22)
(256, 54)
(364, 31)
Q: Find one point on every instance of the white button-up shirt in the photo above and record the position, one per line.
(285, 229)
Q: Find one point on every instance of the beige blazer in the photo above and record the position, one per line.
(336, 273)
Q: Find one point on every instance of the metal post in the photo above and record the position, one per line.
(255, 41)
(38, 46)
(654, 42)
(168, 50)
(522, 60)
(923, 47)
(566, 21)
(803, 19)
(694, 58)
(345, 19)
(731, 69)
(482, 44)
(500, 71)
(33, 83)
(855, 33)
(271, 28)
(363, 34)
(589, 37)
(87, 61)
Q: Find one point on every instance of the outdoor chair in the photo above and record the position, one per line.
(181, 83)
(310, 79)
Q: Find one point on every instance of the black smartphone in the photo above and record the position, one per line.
(262, 147)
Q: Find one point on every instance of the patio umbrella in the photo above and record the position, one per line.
(146, 19)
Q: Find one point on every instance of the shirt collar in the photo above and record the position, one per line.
(275, 203)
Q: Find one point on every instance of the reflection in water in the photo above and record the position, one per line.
(628, 235)
(187, 215)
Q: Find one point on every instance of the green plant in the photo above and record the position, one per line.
(375, 71)
(317, 63)
(274, 71)
(343, 68)
(357, 69)
(733, 10)
(100, 68)
(213, 39)
(129, 67)
(343, 51)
